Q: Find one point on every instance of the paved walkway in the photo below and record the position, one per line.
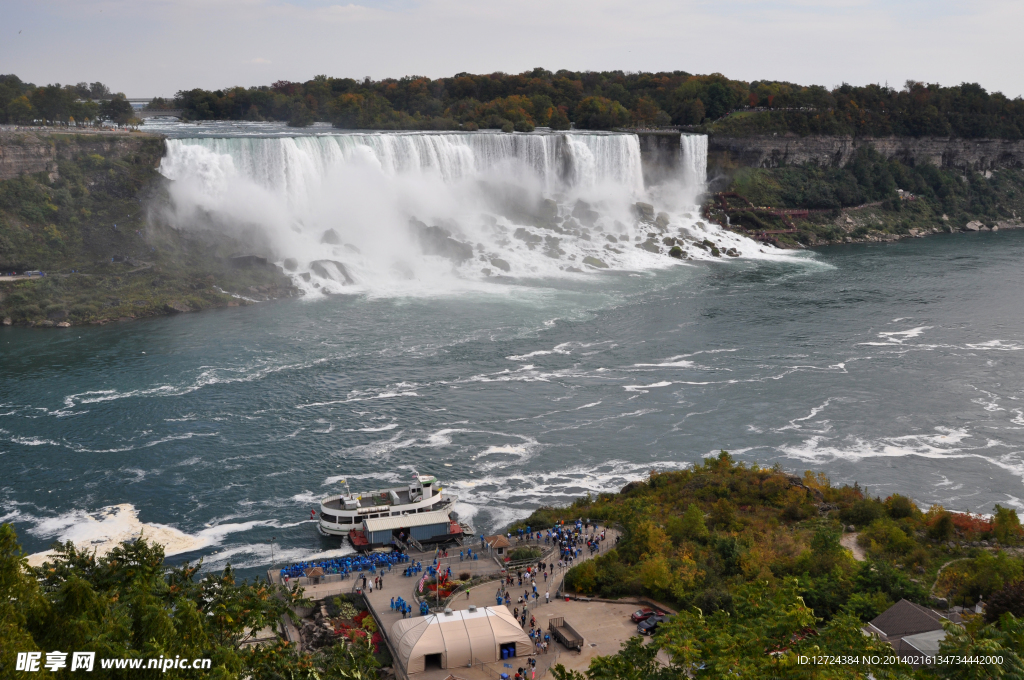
(484, 595)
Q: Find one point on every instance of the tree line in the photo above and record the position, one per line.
(616, 99)
(587, 100)
(81, 104)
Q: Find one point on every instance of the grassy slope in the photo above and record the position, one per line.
(88, 230)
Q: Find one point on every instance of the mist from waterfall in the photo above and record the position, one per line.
(420, 212)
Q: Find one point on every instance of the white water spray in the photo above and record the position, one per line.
(399, 213)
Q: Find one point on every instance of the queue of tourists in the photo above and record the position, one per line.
(346, 565)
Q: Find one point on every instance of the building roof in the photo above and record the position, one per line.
(314, 572)
(922, 643)
(906, 618)
(497, 541)
(406, 521)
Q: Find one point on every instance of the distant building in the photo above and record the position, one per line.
(911, 630)
(498, 544)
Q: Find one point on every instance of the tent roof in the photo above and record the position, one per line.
(418, 519)
(462, 629)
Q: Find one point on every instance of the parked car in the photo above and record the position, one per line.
(650, 625)
(644, 614)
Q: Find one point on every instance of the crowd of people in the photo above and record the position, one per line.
(348, 564)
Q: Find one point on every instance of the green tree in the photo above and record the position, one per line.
(601, 113)
(117, 110)
(1006, 525)
(976, 639)
(20, 110)
(770, 629)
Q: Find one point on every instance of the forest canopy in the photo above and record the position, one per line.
(588, 99)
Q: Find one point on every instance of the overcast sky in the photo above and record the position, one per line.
(146, 48)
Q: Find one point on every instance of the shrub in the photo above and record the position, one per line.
(884, 536)
(524, 554)
(862, 512)
(867, 606)
(899, 506)
(1008, 599)
(941, 528)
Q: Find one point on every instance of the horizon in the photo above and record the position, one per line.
(180, 45)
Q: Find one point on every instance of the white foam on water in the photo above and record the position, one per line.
(644, 388)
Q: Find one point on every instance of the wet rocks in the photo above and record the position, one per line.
(644, 211)
(331, 237)
(176, 307)
(528, 237)
(501, 264)
(291, 264)
(594, 262)
(676, 252)
(585, 214)
(732, 252)
(973, 225)
(322, 268)
(650, 245)
(661, 221)
(439, 241)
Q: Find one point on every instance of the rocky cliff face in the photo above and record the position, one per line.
(774, 151)
(29, 151)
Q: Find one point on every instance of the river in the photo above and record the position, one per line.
(898, 366)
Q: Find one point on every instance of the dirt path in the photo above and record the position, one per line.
(849, 541)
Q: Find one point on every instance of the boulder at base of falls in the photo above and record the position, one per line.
(526, 236)
(499, 263)
(594, 262)
(176, 307)
(669, 241)
(650, 245)
(585, 214)
(676, 252)
(644, 211)
(322, 268)
(247, 261)
(291, 264)
(973, 225)
(732, 252)
(331, 237)
(661, 221)
(439, 241)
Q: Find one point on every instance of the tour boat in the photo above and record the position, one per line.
(346, 514)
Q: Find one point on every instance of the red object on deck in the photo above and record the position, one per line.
(358, 538)
(455, 528)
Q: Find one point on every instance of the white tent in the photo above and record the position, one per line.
(458, 639)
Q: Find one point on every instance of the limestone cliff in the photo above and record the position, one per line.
(28, 151)
(771, 151)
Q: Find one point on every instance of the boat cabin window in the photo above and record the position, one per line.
(346, 520)
(328, 518)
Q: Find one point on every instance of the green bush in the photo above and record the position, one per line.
(862, 512)
(524, 554)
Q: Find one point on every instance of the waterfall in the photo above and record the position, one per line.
(693, 156)
(563, 162)
(422, 211)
